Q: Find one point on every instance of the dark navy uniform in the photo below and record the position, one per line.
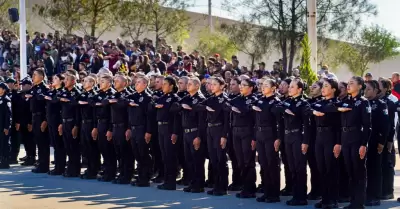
(194, 126)
(267, 131)
(315, 178)
(158, 165)
(119, 120)
(141, 120)
(103, 117)
(168, 124)
(217, 128)
(181, 151)
(356, 131)
(38, 109)
(53, 115)
(243, 135)
(389, 158)
(14, 139)
(297, 132)
(236, 180)
(379, 134)
(26, 135)
(5, 124)
(288, 190)
(90, 145)
(328, 131)
(71, 119)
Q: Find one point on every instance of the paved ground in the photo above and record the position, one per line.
(20, 189)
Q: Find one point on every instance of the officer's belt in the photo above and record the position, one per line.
(190, 130)
(214, 124)
(118, 125)
(67, 120)
(87, 121)
(102, 120)
(348, 129)
(324, 128)
(137, 127)
(292, 131)
(162, 123)
(264, 128)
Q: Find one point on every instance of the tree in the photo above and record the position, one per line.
(96, 15)
(168, 18)
(372, 45)
(288, 17)
(306, 73)
(63, 14)
(210, 43)
(132, 17)
(254, 41)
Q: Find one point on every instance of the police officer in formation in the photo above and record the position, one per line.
(340, 130)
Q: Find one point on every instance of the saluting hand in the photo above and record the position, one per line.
(289, 112)
(362, 151)
(133, 104)
(317, 113)
(210, 109)
(159, 106)
(235, 109)
(256, 108)
(28, 95)
(47, 98)
(344, 109)
(83, 103)
(112, 101)
(187, 107)
(64, 100)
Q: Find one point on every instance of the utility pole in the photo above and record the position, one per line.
(22, 44)
(312, 32)
(210, 22)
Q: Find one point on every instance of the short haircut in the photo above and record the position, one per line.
(146, 79)
(195, 80)
(40, 71)
(107, 78)
(68, 75)
(184, 78)
(122, 77)
(91, 79)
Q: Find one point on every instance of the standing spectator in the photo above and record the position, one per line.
(187, 64)
(48, 64)
(368, 77)
(30, 50)
(235, 66)
(96, 62)
(181, 71)
(160, 64)
(396, 84)
(260, 72)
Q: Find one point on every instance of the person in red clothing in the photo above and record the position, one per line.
(187, 64)
(396, 85)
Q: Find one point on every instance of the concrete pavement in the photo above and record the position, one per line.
(20, 189)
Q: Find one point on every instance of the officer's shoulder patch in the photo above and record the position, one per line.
(271, 102)
(248, 101)
(195, 101)
(9, 104)
(169, 100)
(221, 99)
(141, 99)
(358, 102)
(298, 103)
(368, 109)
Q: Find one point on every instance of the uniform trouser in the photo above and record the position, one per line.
(374, 173)
(4, 147)
(141, 151)
(218, 158)
(194, 160)
(169, 154)
(232, 156)
(60, 155)
(157, 162)
(343, 178)
(14, 142)
(242, 137)
(123, 147)
(356, 170)
(181, 155)
(269, 162)
(72, 148)
(91, 148)
(388, 161)
(315, 178)
(297, 163)
(27, 140)
(107, 150)
(288, 174)
(42, 141)
(328, 166)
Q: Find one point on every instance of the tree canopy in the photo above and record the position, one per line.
(210, 43)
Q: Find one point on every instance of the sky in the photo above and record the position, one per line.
(388, 13)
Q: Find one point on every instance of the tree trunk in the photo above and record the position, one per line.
(253, 57)
(282, 35)
(293, 36)
(93, 23)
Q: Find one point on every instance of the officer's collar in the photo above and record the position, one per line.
(356, 97)
(297, 98)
